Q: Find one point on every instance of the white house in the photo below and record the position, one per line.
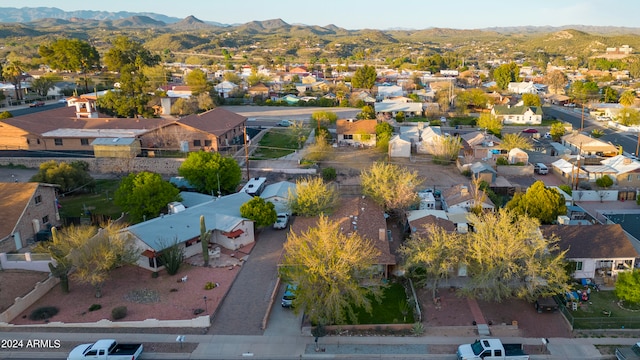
(389, 91)
(222, 218)
(522, 88)
(429, 139)
(225, 88)
(524, 115)
(393, 108)
(278, 195)
(399, 147)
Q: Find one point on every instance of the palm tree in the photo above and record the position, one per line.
(14, 74)
(627, 98)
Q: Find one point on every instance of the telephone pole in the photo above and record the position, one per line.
(246, 153)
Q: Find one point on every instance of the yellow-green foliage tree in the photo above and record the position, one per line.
(540, 202)
(391, 186)
(312, 197)
(328, 267)
(512, 141)
(491, 123)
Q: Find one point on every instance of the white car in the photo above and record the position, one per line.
(602, 118)
(281, 221)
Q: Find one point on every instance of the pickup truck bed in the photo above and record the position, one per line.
(513, 349)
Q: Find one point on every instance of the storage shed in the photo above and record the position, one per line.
(116, 147)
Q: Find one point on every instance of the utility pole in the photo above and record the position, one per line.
(577, 178)
(246, 153)
(637, 145)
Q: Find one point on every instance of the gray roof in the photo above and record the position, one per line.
(220, 214)
(113, 141)
(191, 199)
(279, 189)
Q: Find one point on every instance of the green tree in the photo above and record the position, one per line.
(584, 91)
(262, 212)
(328, 266)
(445, 149)
(531, 100)
(108, 249)
(364, 77)
(69, 176)
(628, 116)
(14, 73)
(557, 131)
(540, 202)
(5, 115)
(312, 197)
(507, 257)
(604, 181)
(430, 254)
(323, 118)
(232, 77)
(490, 122)
(628, 286)
(256, 78)
(384, 132)
(504, 74)
(391, 186)
(43, 84)
(196, 79)
(320, 149)
(400, 116)
(556, 80)
(144, 195)
(367, 113)
(609, 95)
(627, 98)
(71, 55)
(183, 107)
(512, 141)
(211, 172)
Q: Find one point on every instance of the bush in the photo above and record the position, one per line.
(119, 312)
(329, 174)
(566, 188)
(210, 285)
(43, 313)
(502, 161)
(417, 329)
(95, 307)
(172, 258)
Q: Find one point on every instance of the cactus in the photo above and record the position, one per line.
(63, 263)
(204, 239)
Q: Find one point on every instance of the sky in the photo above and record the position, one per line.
(376, 14)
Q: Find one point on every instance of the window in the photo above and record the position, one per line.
(57, 142)
(45, 219)
(348, 137)
(629, 177)
(38, 141)
(578, 265)
(208, 143)
(637, 177)
(84, 142)
(38, 199)
(197, 143)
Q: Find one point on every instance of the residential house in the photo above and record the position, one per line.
(27, 208)
(483, 171)
(599, 251)
(358, 214)
(516, 156)
(609, 110)
(588, 146)
(222, 218)
(569, 170)
(225, 88)
(392, 108)
(461, 198)
(523, 115)
(389, 91)
(290, 99)
(480, 145)
(622, 170)
(430, 139)
(180, 91)
(364, 96)
(420, 219)
(522, 88)
(260, 90)
(212, 130)
(278, 195)
(399, 147)
(356, 132)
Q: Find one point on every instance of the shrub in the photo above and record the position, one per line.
(119, 312)
(43, 313)
(329, 174)
(466, 173)
(210, 285)
(502, 161)
(95, 307)
(566, 188)
(172, 258)
(417, 329)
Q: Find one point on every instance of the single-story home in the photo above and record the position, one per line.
(525, 115)
(356, 132)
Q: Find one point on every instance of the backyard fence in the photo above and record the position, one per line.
(600, 322)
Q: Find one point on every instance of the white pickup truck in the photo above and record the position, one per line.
(106, 349)
(491, 349)
(628, 353)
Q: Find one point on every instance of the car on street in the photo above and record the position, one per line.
(570, 105)
(284, 123)
(282, 220)
(530, 131)
(289, 295)
(603, 118)
(36, 104)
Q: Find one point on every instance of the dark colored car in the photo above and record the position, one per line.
(530, 131)
(37, 104)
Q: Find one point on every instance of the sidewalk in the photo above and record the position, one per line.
(296, 347)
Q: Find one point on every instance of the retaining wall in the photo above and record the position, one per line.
(22, 303)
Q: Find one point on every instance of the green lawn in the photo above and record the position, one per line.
(594, 314)
(100, 201)
(389, 310)
(276, 143)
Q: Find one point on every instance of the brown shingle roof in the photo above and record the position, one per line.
(419, 224)
(353, 126)
(369, 222)
(592, 241)
(216, 121)
(14, 198)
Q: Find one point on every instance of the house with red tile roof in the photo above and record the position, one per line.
(27, 208)
(356, 132)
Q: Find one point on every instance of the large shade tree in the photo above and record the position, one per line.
(391, 186)
(211, 172)
(262, 212)
(312, 197)
(364, 77)
(144, 195)
(540, 202)
(328, 267)
(508, 257)
(71, 55)
(70, 177)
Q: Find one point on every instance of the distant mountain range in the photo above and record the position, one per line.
(44, 16)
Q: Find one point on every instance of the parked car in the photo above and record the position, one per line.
(570, 105)
(289, 296)
(603, 118)
(547, 304)
(541, 169)
(63, 101)
(36, 104)
(106, 349)
(491, 349)
(530, 131)
(284, 123)
(281, 221)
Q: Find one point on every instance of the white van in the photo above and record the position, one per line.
(540, 168)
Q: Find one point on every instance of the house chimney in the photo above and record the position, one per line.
(464, 190)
